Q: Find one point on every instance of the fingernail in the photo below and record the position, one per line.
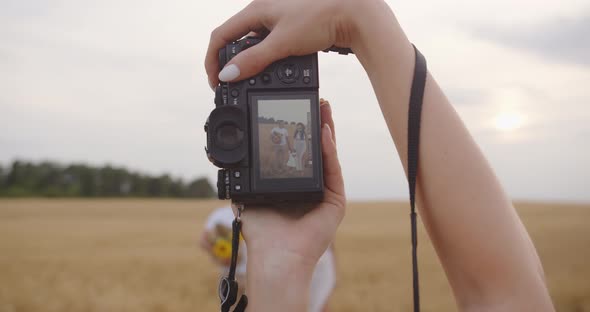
(211, 85)
(328, 130)
(229, 73)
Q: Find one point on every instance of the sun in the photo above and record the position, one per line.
(508, 121)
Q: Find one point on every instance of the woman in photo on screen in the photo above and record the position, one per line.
(300, 147)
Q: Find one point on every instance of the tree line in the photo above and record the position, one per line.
(50, 179)
(271, 120)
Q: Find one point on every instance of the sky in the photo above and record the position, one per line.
(123, 83)
(287, 110)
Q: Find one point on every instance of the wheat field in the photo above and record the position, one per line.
(142, 255)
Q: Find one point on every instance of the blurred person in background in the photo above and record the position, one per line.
(216, 241)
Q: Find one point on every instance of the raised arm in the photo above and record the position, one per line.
(484, 248)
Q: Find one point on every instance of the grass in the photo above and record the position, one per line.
(142, 255)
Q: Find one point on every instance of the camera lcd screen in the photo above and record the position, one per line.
(285, 138)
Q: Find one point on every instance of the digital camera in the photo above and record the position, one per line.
(265, 132)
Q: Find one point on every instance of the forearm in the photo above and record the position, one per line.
(475, 230)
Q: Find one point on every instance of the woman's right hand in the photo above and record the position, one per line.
(294, 28)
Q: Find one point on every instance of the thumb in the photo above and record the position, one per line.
(253, 60)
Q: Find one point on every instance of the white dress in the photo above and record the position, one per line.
(323, 282)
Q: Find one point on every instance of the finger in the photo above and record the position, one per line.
(253, 60)
(332, 171)
(204, 241)
(326, 116)
(248, 19)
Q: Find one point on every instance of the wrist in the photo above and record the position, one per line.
(377, 35)
(278, 280)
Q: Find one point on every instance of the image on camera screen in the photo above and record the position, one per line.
(284, 138)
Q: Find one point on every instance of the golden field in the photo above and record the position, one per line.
(142, 255)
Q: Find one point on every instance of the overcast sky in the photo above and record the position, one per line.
(122, 82)
(286, 110)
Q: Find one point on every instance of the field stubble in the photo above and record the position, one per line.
(142, 255)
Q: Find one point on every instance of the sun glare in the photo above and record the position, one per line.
(508, 121)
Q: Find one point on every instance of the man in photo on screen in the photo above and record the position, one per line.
(280, 146)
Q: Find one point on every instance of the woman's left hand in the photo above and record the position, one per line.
(283, 250)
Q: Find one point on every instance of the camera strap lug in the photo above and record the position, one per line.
(240, 209)
(341, 51)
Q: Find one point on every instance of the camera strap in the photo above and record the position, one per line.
(228, 286)
(414, 117)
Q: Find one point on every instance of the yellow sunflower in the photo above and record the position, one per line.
(222, 249)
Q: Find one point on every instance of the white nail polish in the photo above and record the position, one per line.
(229, 73)
(211, 86)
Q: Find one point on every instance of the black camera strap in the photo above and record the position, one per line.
(228, 286)
(414, 117)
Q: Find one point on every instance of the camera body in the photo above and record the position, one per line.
(265, 132)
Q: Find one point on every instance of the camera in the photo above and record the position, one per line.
(264, 132)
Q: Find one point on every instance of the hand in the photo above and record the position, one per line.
(282, 247)
(296, 28)
(207, 242)
(306, 237)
